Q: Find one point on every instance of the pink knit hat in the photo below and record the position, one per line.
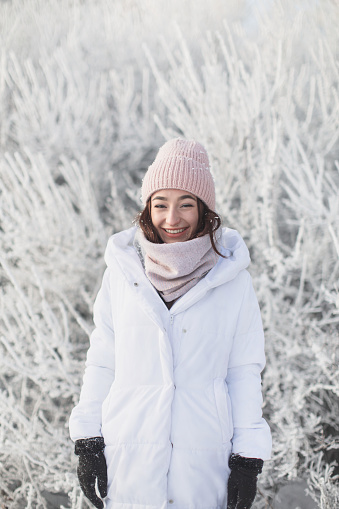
(180, 164)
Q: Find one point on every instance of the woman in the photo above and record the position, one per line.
(170, 408)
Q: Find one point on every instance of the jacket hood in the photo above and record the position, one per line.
(231, 245)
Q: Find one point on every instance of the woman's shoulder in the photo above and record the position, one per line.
(120, 244)
(232, 243)
(234, 262)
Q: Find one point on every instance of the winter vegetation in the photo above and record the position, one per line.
(89, 89)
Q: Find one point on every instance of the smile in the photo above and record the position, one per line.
(175, 231)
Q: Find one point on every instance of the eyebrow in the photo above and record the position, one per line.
(184, 197)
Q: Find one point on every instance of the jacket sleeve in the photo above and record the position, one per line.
(251, 434)
(85, 419)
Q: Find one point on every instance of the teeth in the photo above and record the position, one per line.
(175, 231)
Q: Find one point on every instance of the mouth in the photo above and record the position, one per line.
(179, 230)
(175, 232)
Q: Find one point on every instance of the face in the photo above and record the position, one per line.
(174, 214)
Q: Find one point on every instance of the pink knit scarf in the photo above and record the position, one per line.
(176, 267)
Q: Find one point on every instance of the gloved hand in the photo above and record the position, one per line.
(91, 467)
(242, 482)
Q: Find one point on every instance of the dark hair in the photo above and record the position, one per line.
(208, 223)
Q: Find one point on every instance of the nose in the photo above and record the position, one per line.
(172, 218)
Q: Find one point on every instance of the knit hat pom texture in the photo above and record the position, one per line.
(180, 164)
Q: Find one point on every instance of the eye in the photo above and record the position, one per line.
(186, 205)
(159, 206)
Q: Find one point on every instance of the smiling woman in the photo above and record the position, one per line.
(178, 188)
(170, 409)
(208, 222)
(174, 215)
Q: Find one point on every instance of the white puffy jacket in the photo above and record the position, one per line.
(173, 392)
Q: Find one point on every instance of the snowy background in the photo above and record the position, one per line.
(89, 89)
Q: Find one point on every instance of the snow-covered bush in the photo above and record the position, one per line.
(88, 91)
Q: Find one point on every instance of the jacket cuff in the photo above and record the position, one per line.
(253, 465)
(88, 446)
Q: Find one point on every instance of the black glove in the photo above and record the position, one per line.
(92, 466)
(242, 482)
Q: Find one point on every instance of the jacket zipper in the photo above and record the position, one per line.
(171, 324)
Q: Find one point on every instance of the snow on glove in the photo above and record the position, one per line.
(91, 468)
(242, 482)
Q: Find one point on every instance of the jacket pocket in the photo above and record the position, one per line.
(224, 409)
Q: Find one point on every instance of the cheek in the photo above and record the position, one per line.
(156, 220)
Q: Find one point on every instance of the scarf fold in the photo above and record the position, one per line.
(176, 267)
